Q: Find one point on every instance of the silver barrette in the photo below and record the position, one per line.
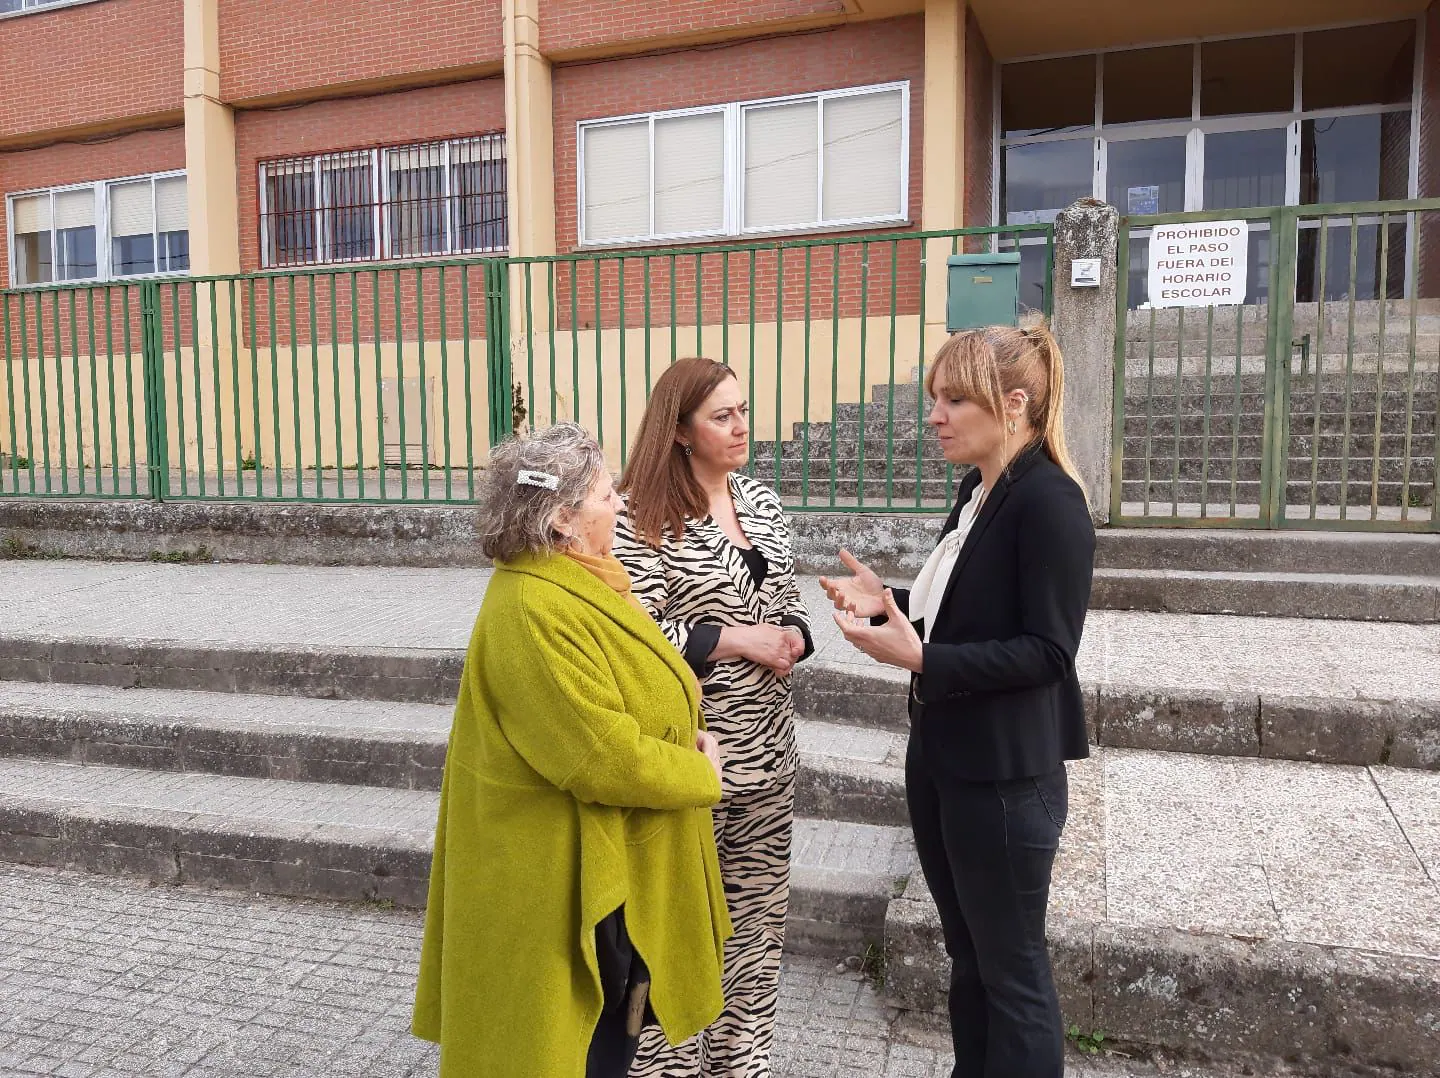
(543, 480)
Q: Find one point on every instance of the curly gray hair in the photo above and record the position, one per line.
(519, 518)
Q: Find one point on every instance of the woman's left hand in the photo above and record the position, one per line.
(896, 643)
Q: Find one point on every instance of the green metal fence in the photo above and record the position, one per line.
(389, 383)
(1315, 404)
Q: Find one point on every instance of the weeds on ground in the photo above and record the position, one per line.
(1089, 1043)
(197, 556)
(872, 965)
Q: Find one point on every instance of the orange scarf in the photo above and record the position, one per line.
(608, 568)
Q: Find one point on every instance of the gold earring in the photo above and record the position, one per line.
(1010, 426)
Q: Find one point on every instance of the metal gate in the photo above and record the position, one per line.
(1314, 404)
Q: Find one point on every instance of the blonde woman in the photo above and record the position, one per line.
(989, 633)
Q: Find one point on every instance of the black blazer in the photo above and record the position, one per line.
(998, 697)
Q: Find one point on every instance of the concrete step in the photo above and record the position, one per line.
(1223, 550)
(1163, 492)
(1278, 721)
(1301, 445)
(354, 843)
(1360, 403)
(1345, 596)
(1224, 908)
(847, 772)
(1193, 422)
(1417, 470)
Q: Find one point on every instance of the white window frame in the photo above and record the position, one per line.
(104, 260)
(377, 160)
(733, 224)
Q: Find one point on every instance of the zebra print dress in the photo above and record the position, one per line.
(693, 588)
(702, 579)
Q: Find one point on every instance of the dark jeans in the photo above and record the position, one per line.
(625, 981)
(987, 849)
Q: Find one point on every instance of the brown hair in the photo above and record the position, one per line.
(984, 365)
(661, 488)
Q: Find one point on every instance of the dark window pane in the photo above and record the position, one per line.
(417, 210)
(1041, 96)
(479, 206)
(33, 264)
(1355, 158)
(1247, 75)
(132, 254)
(1148, 84)
(174, 252)
(349, 212)
(1244, 169)
(1374, 260)
(1146, 175)
(1043, 178)
(1362, 65)
(75, 253)
(290, 218)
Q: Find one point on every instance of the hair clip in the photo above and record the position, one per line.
(544, 480)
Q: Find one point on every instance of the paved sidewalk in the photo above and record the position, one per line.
(103, 978)
(435, 609)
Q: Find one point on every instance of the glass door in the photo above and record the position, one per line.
(1144, 175)
(1244, 169)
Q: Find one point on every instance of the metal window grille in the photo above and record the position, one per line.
(417, 200)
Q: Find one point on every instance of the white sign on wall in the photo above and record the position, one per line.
(1203, 264)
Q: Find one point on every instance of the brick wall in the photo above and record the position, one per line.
(466, 108)
(275, 48)
(574, 24)
(979, 125)
(854, 55)
(52, 166)
(91, 64)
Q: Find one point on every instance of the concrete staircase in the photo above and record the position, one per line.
(1249, 869)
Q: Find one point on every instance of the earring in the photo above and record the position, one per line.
(688, 451)
(1010, 426)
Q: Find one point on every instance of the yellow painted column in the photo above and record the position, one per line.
(943, 168)
(214, 220)
(530, 190)
(209, 148)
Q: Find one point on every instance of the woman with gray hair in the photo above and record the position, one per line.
(575, 893)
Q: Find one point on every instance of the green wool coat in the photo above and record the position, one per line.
(572, 785)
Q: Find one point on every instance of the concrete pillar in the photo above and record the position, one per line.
(530, 175)
(209, 148)
(1084, 326)
(943, 168)
(529, 133)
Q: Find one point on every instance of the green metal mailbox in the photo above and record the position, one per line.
(982, 290)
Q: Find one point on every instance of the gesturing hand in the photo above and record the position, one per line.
(896, 643)
(861, 593)
(705, 742)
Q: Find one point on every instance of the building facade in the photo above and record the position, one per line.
(221, 138)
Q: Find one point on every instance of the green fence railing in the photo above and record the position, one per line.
(388, 383)
(1314, 404)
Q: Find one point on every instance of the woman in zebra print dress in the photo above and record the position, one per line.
(708, 551)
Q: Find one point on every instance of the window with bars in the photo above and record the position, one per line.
(838, 159)
(113, 228)
(419, 200)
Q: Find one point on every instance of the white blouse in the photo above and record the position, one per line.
(929, 588)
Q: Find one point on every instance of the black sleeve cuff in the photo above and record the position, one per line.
(797, 622)
(902, 600)
(703, 639)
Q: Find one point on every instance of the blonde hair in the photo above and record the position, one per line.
(984, 365)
